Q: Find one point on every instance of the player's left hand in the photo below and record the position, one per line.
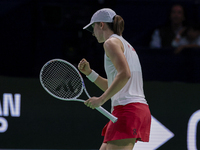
(93, 102)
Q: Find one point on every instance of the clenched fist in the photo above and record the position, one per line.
(84, 67)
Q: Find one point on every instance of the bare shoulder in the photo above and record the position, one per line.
(113, 44)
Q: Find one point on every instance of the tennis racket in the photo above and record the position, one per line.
(63, 81)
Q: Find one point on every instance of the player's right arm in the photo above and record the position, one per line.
(84, 67)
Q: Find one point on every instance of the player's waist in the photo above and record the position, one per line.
(125, 101)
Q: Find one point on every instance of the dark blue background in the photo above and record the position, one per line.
(34, 31)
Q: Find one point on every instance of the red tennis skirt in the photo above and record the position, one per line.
(134, 121)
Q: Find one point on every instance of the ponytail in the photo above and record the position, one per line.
(117, 26)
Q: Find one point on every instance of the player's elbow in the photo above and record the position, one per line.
(126, 75)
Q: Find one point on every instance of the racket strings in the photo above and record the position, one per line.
(62, 80)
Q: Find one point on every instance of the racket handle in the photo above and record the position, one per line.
(107, 114)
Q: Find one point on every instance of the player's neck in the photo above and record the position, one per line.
(107, 34)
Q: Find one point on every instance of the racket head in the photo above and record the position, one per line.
(61, 80)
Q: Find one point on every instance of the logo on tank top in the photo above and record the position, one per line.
(134, 131)
(131, 47)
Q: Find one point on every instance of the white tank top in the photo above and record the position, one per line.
(132, 92)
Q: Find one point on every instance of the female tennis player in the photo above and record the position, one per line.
(124, 84)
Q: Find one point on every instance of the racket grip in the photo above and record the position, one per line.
(107, 114)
